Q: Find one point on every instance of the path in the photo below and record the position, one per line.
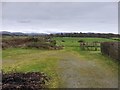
(77, 73)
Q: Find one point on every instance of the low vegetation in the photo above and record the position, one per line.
(34, 42)
(37, 56)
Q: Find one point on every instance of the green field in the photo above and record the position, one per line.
(69, 41)
(69, 67)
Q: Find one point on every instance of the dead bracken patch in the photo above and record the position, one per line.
(24, 81)
(40, 43)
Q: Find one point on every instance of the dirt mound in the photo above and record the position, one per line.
(24, 81)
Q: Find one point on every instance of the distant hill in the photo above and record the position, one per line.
(100, 35)
(11, 33)
(5, 33)
(20, 33)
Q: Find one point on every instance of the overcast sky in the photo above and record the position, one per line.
(50, 17)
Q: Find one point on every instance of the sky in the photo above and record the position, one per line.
(54, 17)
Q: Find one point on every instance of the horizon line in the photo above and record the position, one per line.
(58, 32)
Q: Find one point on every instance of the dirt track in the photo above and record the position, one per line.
(77, 73)
(71, 69)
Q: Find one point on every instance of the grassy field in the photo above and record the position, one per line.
(55, 62)
(73, 42)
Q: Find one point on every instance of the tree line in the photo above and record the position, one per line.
(99, 35)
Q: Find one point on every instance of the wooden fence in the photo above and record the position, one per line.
(111, 49)
(90, 46)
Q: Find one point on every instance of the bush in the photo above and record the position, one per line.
(33, 39)
(42, 45)
(53, 42)
(31, 42)
(63, 40)
(38, 45)
(81, 41)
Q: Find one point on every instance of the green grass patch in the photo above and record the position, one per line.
(36, 60)
(73, 41)
(31, 60)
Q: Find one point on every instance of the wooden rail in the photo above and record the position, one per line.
(90, 46)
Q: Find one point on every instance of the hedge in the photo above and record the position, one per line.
(111, 49)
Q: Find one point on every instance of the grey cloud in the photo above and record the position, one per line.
(61, 16)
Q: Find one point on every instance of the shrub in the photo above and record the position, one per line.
(81, 41)
(53, 42)
(33, 39)
(63, 40)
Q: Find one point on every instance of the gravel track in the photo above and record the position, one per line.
(77, 73)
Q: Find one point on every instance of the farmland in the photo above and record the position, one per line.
(69, 67)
